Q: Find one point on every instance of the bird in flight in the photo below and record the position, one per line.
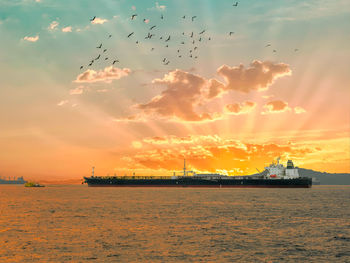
(81, 67)
(106, 58)
(231, 33)
(268, 45)
(295, 50)
(92, 19)
(193, 17)
(152, 48)
(104, 50)
(164, 59)
(137, 42)
(195, 48)
(202, 32)
(235, 4)
(98, 57)
(109, 36)
(161, 38)
(200, 39)
(133, 16)
(184, 17)
(192, 34)
(152, 27)
(209, 38)
(161, 17)
(167, 39)
(274, 50)
(167, 46)
(116, 60)
(167, 63)
(130, 34)
(99, 46)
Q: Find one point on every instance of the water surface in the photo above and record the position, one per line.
(81, 224)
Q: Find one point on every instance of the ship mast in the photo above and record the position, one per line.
(184, 167)
(93, 171)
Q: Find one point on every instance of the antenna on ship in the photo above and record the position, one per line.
(184, 167)
(93, 171)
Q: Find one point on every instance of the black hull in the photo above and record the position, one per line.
(190, 182)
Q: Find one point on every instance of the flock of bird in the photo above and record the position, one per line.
(188, 46)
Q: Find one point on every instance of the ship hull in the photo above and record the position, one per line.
(200, 183)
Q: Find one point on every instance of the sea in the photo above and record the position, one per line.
(75, 223)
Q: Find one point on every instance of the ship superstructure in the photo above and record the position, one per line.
(276, 176)
(278, 171)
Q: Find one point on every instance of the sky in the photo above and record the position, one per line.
(229, 88)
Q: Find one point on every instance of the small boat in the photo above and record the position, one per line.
(31, 184)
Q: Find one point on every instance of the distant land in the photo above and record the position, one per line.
(327, 178)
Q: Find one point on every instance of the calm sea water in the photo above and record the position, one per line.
(81, 224)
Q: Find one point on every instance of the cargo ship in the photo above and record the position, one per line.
(18, 180)
(275, 176)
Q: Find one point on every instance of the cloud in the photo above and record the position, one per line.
(62, 102)
(107, 75)
(157, 7)
(77, 91)
(259, 76)
(267, 96)
(160, 7)
(240, 108)
(299, 110)
(276, 106)
(99, 21)
(215, 88)
(212, 152)
(183, 93)
(67, 29)
(136, 144)
(53, 25)
(31, 39)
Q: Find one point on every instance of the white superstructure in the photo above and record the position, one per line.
(278, 171)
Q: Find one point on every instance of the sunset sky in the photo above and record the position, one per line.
(278, 85)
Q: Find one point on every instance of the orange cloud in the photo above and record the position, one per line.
(215, 88)
(106, 75)
(276, 106)
(299, 110)
(259, 76)
(240, 108)
(183, 93)
(77, 91)
(210, 153)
